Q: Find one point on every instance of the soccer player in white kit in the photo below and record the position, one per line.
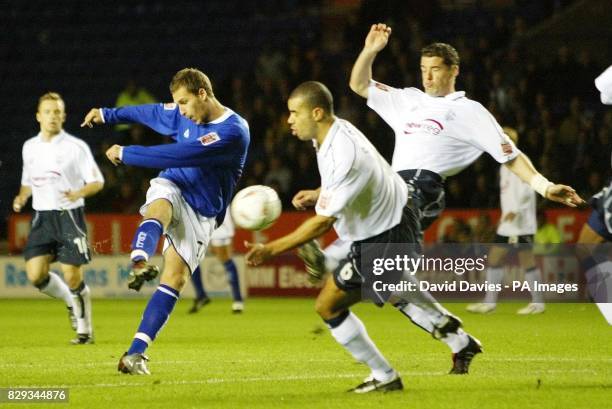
(598, 229)
(59, 171)
(366, 202)
(438, 133)
(221, 246)
(517, 227)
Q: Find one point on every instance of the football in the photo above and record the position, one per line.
(256, 207)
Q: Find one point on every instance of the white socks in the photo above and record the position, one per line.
(495, 275)
(531, 276)
(352, 335)
(427, 319)
(82, 309)
(57, 288)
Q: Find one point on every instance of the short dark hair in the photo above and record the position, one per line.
(49, 96)
(315, 95)
(445, 51)
(192, 79)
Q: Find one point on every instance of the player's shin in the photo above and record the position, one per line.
(81, 298)
(55, 287)
(154, 317)
(350, 332)
(234, 281)
(145, 239)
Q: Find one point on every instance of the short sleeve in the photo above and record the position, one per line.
(342, 184)
(489, 136)
(390, 103)
(604, 85)
(88, 167)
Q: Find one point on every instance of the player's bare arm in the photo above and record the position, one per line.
(94, 116)
(114, 154)
(22, 198)
(88, 190)
(524, 169)
(312, 228)
(305, 199)
(361, 74)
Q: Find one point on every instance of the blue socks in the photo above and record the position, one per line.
(196, 280)
(145, 239)
(154, 317)
(232, 278)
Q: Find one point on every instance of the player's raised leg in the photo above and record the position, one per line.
(48, 282)
(424, 311)
(157, 217)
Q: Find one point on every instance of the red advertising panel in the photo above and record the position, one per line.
(112, 233)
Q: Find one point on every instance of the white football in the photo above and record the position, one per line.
(256, 207)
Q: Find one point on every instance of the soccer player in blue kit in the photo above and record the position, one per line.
(187, 200)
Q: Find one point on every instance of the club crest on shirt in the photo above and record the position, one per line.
(186, 133)
(381, 87)
(209, 138)
(170, 106)
(506, 148)
(324, 199)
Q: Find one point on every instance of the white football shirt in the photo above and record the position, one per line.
(50, 168)
(443, 135)
(604, 85)
(517, 197)
(358, 187)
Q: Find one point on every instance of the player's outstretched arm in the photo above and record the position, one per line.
(305, 199)
(361, 74)
(312, 228)
(94, 116)
(524, 169)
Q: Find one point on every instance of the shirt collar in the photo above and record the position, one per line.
(55, 140)
(455, 95)
(222, 118)
(328, 137)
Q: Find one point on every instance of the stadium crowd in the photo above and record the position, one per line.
(554, 122)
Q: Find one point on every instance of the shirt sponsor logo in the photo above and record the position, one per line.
(170, 106)
(506, 148)
(430, 126)
(209, 138)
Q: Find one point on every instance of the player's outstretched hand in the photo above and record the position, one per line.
(305, 199)
(258, 253)
(378, 37)
(114, 154)
(93, 117)
(564, 194)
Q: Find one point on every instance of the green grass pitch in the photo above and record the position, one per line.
(279, 355)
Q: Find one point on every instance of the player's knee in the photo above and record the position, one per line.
(36, 276)
(174, 279)
(161, 210)
(324, 309)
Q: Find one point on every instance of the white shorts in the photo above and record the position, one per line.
(189, 232)
(224, 234)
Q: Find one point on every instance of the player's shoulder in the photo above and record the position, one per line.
(342, 143)
(69, 138)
